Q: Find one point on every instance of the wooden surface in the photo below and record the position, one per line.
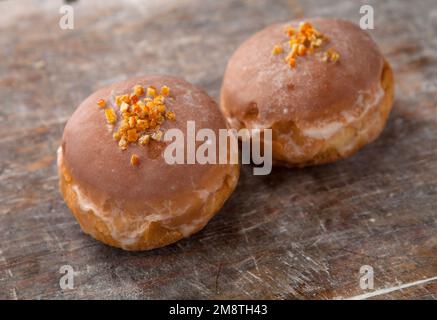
(292, 234)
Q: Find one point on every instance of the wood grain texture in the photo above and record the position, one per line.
(294, 234)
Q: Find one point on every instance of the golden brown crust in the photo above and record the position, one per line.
(318, 112)
(346, 141)
(101, 223)
(150, 204)
(153, 237)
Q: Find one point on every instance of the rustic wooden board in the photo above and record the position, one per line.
(294, 234)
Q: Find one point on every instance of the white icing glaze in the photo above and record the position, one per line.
(59, 156)
(324, 132)
(189, 228)
(330, 129)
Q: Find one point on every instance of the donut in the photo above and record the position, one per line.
(321, 85)
(112, 169)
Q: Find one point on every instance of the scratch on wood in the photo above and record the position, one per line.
(217, 277)
(391, 289)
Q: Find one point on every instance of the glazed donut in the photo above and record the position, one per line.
(321, 85)
(112, 171)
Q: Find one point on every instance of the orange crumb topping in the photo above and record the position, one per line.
(101, 103)
(303, 41)
(138, 90)
(157, 135)
(116, 136)
(151, 91)
(111, 117)
(144, 139)
(132, 135)
(289, 31)
(135, 160)
(331, 55)
(277, 49)
(133, 98)
(170, 115)
(165, 90)
(122, 143)
(141, 113)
